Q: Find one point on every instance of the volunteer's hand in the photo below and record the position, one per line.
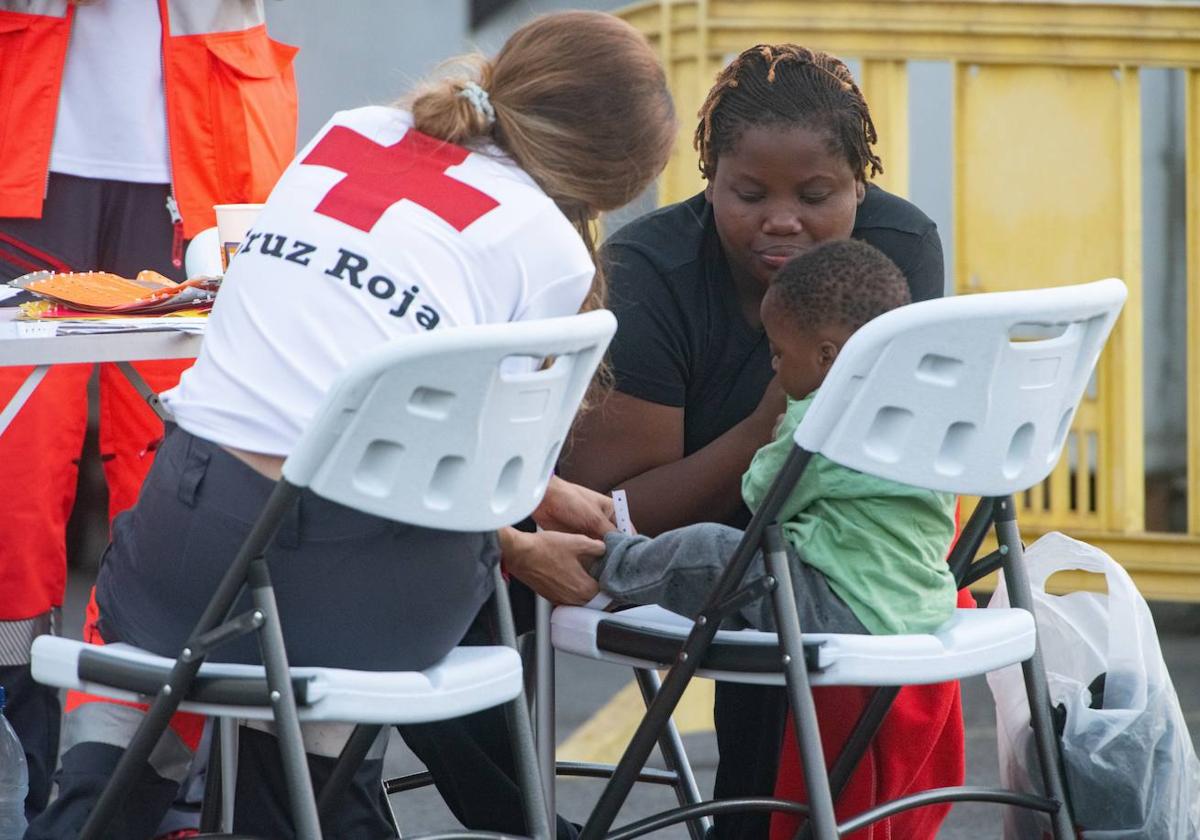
(575, 509)
(552, 563)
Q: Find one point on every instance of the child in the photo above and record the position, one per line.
(867, 554)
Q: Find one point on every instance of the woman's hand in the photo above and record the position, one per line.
(575, 509)
(770, 408)
(552, 563)
(639, 446)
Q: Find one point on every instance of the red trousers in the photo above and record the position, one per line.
(39, 466)
(919, 746)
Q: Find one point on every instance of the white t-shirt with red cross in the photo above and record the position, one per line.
(374, 231)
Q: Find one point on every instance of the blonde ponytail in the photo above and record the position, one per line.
(577, 99)
(440, 108)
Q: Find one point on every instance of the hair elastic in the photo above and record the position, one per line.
(480, 101)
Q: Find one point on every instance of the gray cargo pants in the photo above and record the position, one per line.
(679, 569)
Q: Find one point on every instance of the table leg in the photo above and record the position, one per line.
(152, 400)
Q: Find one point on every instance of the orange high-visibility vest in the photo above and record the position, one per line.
(230, 92)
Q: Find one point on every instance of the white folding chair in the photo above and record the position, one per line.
(971, 395)
(456, 430)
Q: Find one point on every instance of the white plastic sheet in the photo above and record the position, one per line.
(1132, 772)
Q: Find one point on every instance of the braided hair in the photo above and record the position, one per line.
(787, 85)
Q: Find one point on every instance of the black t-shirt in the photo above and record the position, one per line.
(681, 339)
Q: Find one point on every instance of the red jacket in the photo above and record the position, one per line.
(230, 92)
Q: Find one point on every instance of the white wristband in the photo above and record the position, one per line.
(625, 526)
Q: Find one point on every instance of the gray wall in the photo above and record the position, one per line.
(363, 52)
(490, 36)
(1164, 270)
(931, 159)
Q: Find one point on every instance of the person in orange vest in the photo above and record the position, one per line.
(122, 122)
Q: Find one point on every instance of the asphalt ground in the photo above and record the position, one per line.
(597, 706)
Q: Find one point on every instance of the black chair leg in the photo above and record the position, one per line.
(791, 642)
(1016, 579)
(671, 747)
(349, 760)
(864, 732)
(210, 808)
(537, 817)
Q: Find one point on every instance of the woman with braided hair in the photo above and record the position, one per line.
(784, 140)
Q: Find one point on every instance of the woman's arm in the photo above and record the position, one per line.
(638, 445)
(637, 442)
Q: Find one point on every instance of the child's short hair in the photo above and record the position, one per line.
(845, 282)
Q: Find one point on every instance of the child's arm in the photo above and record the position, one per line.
(769, 460)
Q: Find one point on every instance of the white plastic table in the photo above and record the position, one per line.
(35, 343)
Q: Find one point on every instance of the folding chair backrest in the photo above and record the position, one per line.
(456, 429)
(971, 394)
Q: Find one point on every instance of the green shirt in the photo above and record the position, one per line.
(881, 545)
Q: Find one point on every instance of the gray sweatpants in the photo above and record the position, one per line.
(679, 569)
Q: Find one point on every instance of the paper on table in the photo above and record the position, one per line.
(92, 326)
(625, 526)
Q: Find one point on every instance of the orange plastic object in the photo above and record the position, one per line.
(153, 278)
(94, 288)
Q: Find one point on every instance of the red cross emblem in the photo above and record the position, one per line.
(379, 176)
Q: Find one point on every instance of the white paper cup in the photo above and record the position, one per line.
(233, 223)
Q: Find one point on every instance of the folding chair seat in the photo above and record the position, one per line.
(971, 643)
(466, 680)
(972, 395)
(455, 430)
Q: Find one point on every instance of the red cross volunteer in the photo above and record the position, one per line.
(506, 253)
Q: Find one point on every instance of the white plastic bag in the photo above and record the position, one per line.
(1132, 773)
